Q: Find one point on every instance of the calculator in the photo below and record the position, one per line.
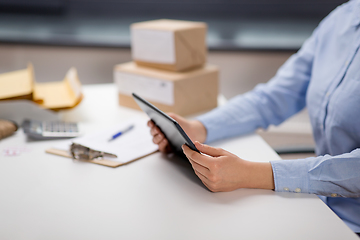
(43, 130)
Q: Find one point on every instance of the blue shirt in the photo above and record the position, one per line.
(324, 76)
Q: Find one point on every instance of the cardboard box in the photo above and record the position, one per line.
(183, 93)
(169, 44)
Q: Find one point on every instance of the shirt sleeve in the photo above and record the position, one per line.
(271, 103)
(332, 176)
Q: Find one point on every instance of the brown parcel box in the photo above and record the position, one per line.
(169, 44)
(181, 93)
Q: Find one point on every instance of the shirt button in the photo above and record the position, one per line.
(298, 190)
(347, 62)
(327, 94)
(286, 189)
(333, 195)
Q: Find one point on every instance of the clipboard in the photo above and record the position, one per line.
(127, 148)
(104, 162)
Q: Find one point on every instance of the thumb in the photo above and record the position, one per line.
(176, 117)
(184, 123)
(208, 150)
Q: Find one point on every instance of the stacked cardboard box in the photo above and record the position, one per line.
(169, 67)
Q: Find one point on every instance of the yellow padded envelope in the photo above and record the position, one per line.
(17, 84)
(59, 95)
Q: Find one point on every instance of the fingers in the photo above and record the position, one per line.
(198, 165)
(208, 150)
(174, 116)
(159, 138)
(202, 178)
(200, 159)
(207, 167)
(182, 121)
(153, 128)
(206, 182)
(150, 123)
(154, 131)
(200, 168)
(163, 145)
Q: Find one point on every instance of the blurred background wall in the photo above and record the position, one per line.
(247, 39)
(240, 71)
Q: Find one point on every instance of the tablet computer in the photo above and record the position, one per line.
(171, 129)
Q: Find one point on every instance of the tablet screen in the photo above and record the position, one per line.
(171, 129)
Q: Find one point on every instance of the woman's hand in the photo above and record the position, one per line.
(194, 129)
(222, 171)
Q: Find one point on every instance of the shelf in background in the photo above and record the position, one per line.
(108, 31)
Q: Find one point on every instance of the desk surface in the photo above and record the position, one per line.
(158, 197)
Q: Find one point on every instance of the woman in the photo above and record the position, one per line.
(324, 76)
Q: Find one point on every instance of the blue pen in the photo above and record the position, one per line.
(121, 132)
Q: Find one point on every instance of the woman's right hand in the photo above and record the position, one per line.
(195, 130)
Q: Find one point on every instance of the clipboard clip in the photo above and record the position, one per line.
(80, 152)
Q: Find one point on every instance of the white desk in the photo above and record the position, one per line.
(51, 197)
